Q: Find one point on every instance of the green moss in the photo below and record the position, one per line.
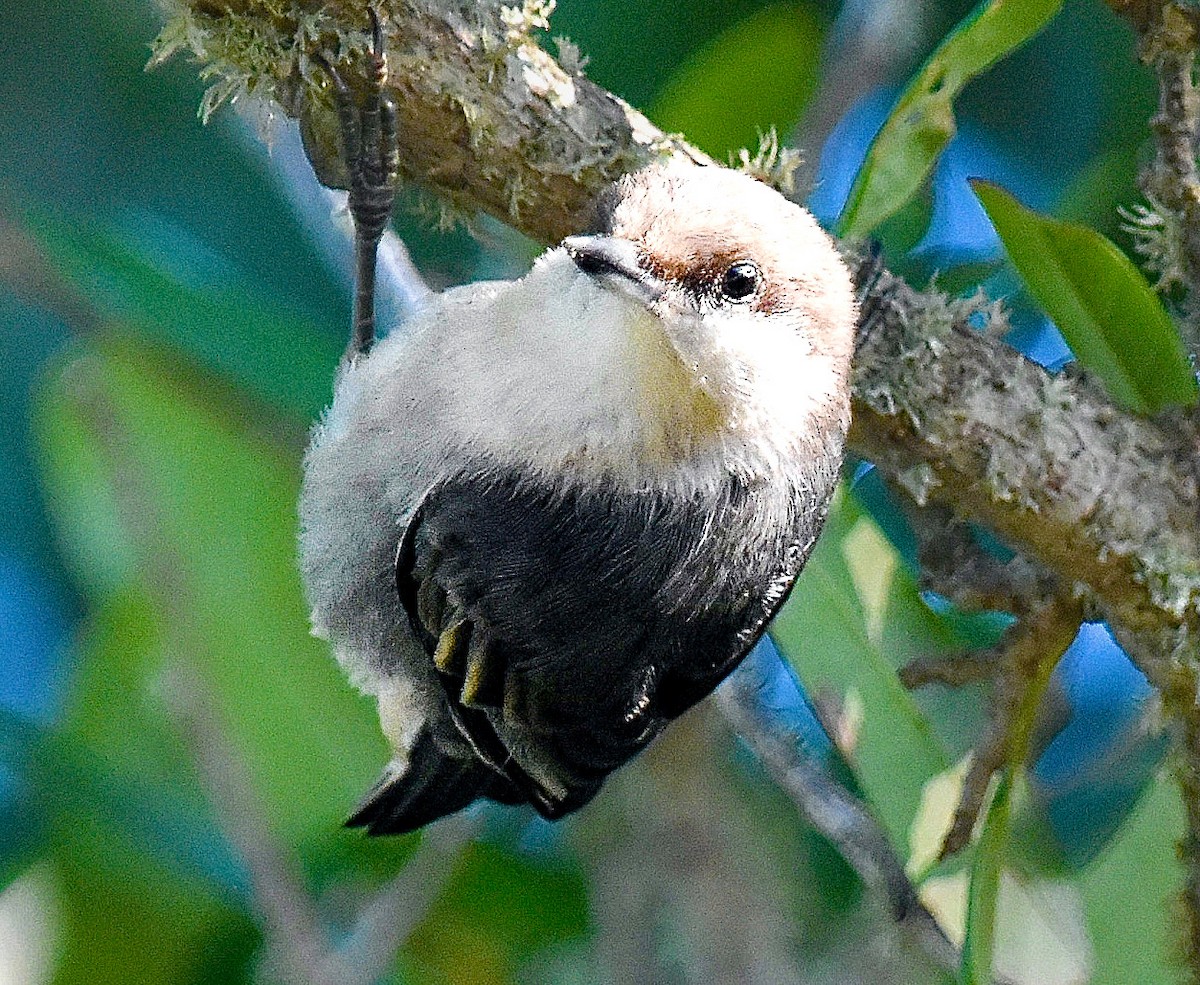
(772, 164)
(263, 50)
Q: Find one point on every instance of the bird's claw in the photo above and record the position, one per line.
(370, 151)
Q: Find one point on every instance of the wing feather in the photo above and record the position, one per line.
(569, 624)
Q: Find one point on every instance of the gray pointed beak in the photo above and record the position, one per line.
(614, 262)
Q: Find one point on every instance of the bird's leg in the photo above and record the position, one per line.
(368, 133)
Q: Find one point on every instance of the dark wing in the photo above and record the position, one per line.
(569, 624)
(470, 667)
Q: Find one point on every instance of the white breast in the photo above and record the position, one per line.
(542, 373)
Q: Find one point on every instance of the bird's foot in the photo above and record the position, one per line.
(370, 150)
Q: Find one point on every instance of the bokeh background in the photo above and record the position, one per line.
(173, 299)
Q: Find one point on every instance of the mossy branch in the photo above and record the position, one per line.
(489, 120)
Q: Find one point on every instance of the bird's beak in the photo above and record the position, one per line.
(614, 262)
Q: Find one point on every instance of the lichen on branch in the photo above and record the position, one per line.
(490, 121)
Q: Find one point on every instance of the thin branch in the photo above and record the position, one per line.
(1042, 637)
(675, 853)
(292, 930)
(955, 565)
(396, 909)
(869, 46)
(833, 811)
(955, 670)
(297, 942)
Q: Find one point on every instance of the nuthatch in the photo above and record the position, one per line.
(552, 514)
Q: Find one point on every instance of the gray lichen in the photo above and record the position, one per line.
(488, 117)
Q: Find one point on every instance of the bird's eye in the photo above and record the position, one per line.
(741, 280)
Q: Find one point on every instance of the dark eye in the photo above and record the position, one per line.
(741, 280)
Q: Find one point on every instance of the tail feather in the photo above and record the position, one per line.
(429, 786)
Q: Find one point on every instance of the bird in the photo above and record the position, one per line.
(553, 513)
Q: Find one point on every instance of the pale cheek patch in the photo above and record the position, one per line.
(785, 389)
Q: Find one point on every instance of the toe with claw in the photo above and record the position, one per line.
(369, 148)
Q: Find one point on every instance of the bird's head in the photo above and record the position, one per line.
(741, 310)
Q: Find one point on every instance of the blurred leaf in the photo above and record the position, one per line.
(922, 122)
(986, 869)
(276, 352)
(631, 45)
(149, 816)
(1132, 890)
(759, 73)
(901, 232)
(144, 887)
(210, 510)
(1111, 318)
(123, 918)
(22, 837)
(22, 822)
(142, 775)
(855, 617)
(499, 910)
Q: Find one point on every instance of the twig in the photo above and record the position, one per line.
(954, 670)
(292, 929)
(395, 910)
(833, 811)
(296, 940)
(1041, 638)
(676, 854)
(869, 46)
(956, 566)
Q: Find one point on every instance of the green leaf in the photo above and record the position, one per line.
(922, 122)
(854, 617)
(1132, 890)
(986, 869)
(206, 506)
(499, 910)
(759, 73)
(274, 351)
(1112, 319)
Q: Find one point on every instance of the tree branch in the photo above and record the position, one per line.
(1098, 496)
(490, 121)
(833, 811)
